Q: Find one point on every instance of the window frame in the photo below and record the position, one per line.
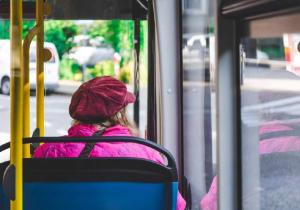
(235, 20)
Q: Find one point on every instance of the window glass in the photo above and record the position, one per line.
(105, 54)
(270, 104)
(199, 117)
(86, 50)
(192, 4)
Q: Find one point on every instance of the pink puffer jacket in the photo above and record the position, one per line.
(55, 150)
(271, 145)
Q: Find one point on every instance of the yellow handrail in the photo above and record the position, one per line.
(16, 102)
(40, 66)
(42, 56)
(26, 91)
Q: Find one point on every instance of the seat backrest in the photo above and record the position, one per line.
(106, 184)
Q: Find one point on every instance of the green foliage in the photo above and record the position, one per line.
(27, 25)
(118, 33)
(125, 75)
(57, 32)
(60, 33)
(69, 69)
(104, 68)
(4, 28)
(144, 53)
(144, 36)
(273, 47)
(274, 52)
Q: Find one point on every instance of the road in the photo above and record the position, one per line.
(57, 119)
(266, 95)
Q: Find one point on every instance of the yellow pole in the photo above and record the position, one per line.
(40, 66)
(16, 102)
(26, 106)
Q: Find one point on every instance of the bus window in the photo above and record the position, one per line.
(85, 50)
(199, 145)
(270, 121)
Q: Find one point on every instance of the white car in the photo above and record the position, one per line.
(90, 51)
(51, 68)
(198, 54)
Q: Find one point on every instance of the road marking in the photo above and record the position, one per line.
(5, 156)
(4, 137)
(52, 100)
(281, 102)
(257, 121)
(58, 111)
(293, 109)
(253, 115)
(290, 85)
(48, 124)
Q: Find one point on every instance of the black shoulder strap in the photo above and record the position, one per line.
(85, 153)
(34, 146)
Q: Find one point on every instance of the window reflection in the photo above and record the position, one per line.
(270, 88)
(192, 3)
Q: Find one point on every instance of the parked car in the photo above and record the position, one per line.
(90, 51)
(198, 54)
(51, 68)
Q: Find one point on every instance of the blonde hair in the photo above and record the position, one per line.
(120, 118)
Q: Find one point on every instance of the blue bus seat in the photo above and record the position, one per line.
(104, 184)
(98, 184)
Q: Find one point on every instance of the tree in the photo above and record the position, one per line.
(4, 29)
(5, 24)
(27, 25)
(60, 33)
(118, 33)
(57, 32)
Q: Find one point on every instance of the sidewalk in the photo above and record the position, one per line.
(67, 87)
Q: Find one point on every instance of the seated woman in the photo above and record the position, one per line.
(99, 105)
